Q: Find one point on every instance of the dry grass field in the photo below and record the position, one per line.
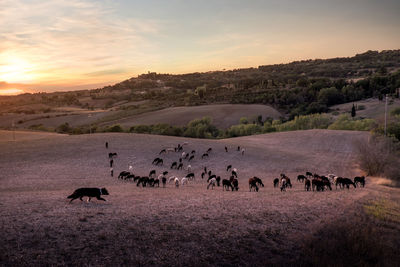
(373, 108)
(190, 225)
(223, 116)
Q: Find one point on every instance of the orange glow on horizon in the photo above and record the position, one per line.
(11, 91)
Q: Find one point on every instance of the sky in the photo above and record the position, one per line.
(58, 45)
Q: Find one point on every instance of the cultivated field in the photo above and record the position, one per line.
(188, 226)
(223, 116)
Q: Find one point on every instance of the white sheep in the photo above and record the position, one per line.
(189, 168)
(212, 183)
(184, 181)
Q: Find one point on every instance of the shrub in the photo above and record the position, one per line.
(305, 122)
(115, 129)
(373, 155)
(64, 128)
(344, 122)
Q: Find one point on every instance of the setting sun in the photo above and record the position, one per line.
(11, 91)
(16, 69)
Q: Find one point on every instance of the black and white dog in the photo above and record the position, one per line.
(88, 192)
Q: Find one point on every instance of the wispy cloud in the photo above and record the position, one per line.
(63, 40)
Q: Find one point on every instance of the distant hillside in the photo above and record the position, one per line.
(297, 88)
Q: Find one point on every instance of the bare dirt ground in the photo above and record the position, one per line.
(188, 226)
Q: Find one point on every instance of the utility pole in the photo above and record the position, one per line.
(386, 103)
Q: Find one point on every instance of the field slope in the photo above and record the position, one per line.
(168, 226)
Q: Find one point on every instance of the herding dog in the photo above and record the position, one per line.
(88, 192)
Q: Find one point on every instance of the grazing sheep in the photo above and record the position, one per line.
(202, 175)
(180, 166)
(301, 178)
(211, 177)
(189, 168)
(123, 174)
(209, 150)
(242, 151)
(276, 182)
(258, 181)
(234, 173)
(157, 161)
(170, 149)
(156, 182)
(190, 176)
(187, 155)
(238, 148)
(162, 151)
(164, 181)
(142, 181)
(165, 173)
(174, 165)
(152, 172)
(228, 167)
(226, 149)
(171, 179)
(112, 155)
(226, 184)
(307, 185)
(253, 184)
(212, 183)
(235, 184)
(359, 180)
(184, 181)
(204, 155)
(191, 157)
(218, 180)
(283, 184)
(183, 154)
(309, 174)
(176, 181)
(193, 152)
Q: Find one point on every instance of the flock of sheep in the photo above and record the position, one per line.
(183, 163)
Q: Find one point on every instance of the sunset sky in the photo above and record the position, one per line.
(80, 44)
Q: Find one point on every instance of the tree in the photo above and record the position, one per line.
(330, 96)
(353, 111)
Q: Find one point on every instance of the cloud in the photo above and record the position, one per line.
(66, 39)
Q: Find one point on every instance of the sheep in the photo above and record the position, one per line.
(176, 182)
(228, 167)
(170, 149)
(212, 183)
(191, 157)
(204, 155)
(242, 151)
(162, 151)
(184, 181)
(152, 172)
(183, 154)
(172, 178)
(234, 173)
(209, 150)
(190, 176)
(180, 166)
(189, 168)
